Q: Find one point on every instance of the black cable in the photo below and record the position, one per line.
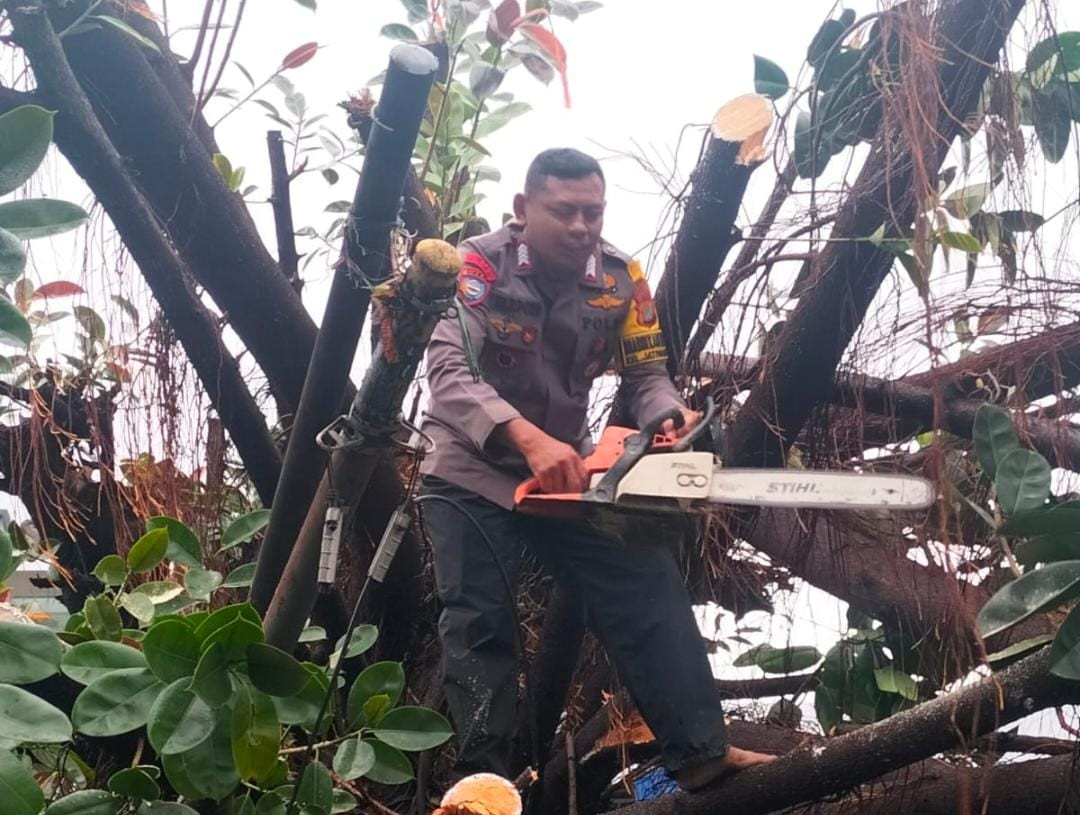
(511, 598)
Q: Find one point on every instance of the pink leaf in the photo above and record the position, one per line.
(300, 55)
(58, 288)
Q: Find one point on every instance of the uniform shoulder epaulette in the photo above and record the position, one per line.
(611, 251)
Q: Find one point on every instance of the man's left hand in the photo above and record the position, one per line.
(690, 420)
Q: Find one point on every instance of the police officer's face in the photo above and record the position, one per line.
(563, 220)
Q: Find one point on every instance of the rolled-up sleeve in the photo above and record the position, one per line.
(649, 391)
(475, 409)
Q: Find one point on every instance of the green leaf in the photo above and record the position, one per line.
(1022, 481)
(86, 802)
(769, 78)
(344, 802)
(273, 671)
(25, 135)
(244, 528)
(111, 570)
(416, 9)
(391, 765)
(179, 720)
(12, 258)
(962, 241)
(159, 591)
(148, 551)
(312, 633)
(309, 4)
(28, 653)
(211, 680)
(810, 152)
(999, 659)
(1065, 652)
(89, 661)
(212, 622)
(966, 202)
(1053, 120)
(779, 660)
(413, 729)
(354, 758)
(33, 218)
(1037, 591)
(381, 677)
(256, 735)
(303, 708)
(145, 42)
(316, 788)
(14, 329)
(25, 717)
(1019, 220)
(103, 619)
(994, 437)
(398, 31)
(235, 636)
(890, 680)
(825, 41)
(183, 544)
(363, 637)
(375, 708)
(172, 808)
(500, 117)
(91, 322)
(138, 606)
(484, 80)
(171, 649)
(1063, 46)
(207, 770)
(116, 703)
(201, 583)
(1062, 519)
(240, 577)
(134, 782)
(1048, 549)
(18, 789)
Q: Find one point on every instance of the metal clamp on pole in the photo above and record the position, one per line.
(392, 536)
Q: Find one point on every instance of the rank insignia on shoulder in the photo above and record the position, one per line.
(475, 280)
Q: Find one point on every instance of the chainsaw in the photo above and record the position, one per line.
(647, 471)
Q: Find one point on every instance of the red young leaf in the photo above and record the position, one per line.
(501, 22)
(58, 288)
(298, 56)
(552, 48)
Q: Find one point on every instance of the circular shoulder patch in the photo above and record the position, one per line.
(473, 289)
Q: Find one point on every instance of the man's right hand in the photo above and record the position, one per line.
(557, 466)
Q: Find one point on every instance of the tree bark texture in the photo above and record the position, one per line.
(817, 771)
(970, 35)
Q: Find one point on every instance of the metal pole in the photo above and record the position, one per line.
(411, 308)
(365, 263)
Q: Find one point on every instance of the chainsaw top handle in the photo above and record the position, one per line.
(639, 444)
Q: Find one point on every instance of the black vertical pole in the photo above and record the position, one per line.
(365, 262)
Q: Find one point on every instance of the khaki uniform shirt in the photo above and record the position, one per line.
(539, 342)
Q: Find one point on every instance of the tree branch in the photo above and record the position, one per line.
(95, 158)
(969, 35)
(281, 203)
(811, 773)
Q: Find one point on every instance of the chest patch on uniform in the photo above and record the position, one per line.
(475, 280)
(606, 301)
(504, 327)
(529, 334)
(512, 305)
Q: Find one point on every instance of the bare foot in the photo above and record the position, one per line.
(701, 775)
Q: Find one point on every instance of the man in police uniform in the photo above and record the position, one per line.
(547, 306)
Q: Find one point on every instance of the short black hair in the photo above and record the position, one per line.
(563, 163)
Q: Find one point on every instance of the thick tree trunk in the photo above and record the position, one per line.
(707, 231)
(1037, 787)
(815, 772)
(970, 35)
(96, 159)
